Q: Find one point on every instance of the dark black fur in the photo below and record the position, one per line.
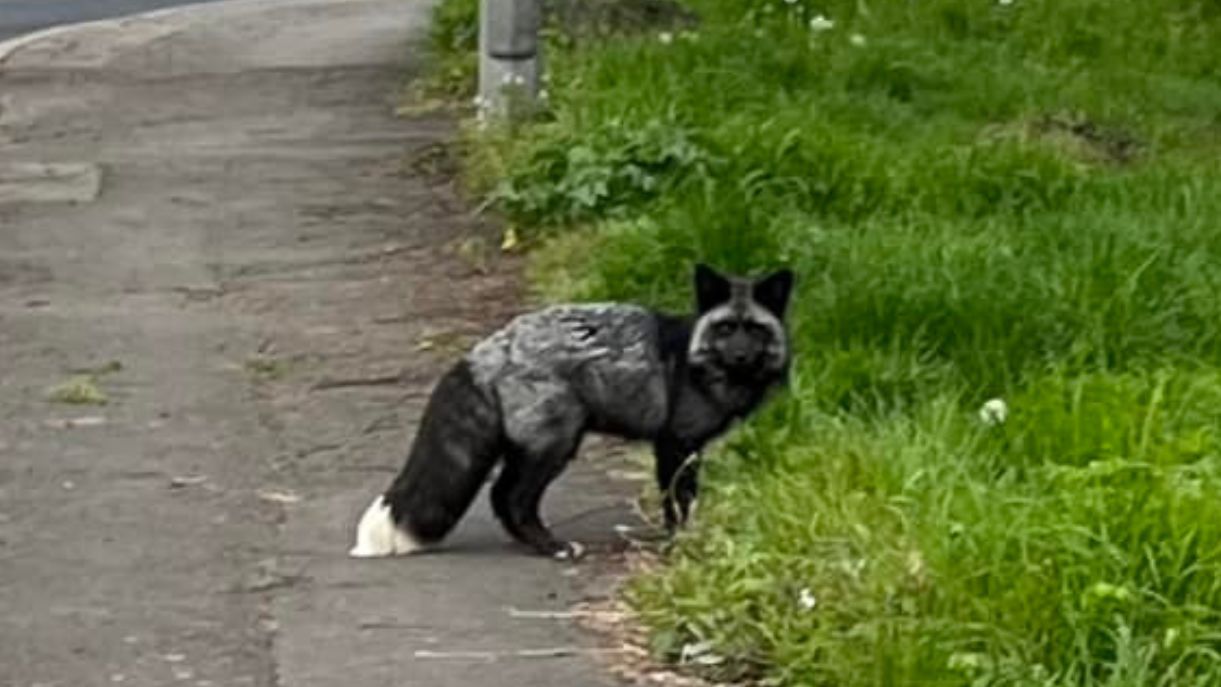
(457, 444)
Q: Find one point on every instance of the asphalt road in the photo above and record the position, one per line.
(22, 16)
(216, 218)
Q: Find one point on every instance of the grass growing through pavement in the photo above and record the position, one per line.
(982, 199)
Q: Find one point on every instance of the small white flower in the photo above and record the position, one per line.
(1004, 3)
(820, 23)
(543, 94)
(857, 39)
(790, 2)
(806, 599)
(665, 37)
(994, 412)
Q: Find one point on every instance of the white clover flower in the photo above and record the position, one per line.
(857, 39)
(820, 23)
(806, 599)
(1004, 3)
(994, 412)
(665, 37)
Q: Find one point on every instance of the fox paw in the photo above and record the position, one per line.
(570, 551)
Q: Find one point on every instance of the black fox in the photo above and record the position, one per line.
(527, 394)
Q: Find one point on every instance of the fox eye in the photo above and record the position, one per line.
(757, 331)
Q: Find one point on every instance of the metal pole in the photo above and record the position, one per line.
(510, 57)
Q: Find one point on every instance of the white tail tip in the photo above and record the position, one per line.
(377, 536)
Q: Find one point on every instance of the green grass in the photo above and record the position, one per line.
(981, 200)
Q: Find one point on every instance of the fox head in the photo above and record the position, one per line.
(739, 326)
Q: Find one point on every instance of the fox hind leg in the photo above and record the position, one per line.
(518, 493)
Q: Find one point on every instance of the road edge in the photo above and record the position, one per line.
(10, 47)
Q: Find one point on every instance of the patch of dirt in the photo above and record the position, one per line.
(1076, 136)
(1086, 139)
(439, 161)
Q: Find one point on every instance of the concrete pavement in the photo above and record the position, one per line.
(262, 285)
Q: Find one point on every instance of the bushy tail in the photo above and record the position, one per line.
(457, 445)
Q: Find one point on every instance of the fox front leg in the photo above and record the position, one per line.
(687, 487)
(678, 480)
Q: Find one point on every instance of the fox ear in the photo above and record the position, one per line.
(711, 288)
(773, 291)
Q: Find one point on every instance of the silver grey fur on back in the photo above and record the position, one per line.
(575, 365)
